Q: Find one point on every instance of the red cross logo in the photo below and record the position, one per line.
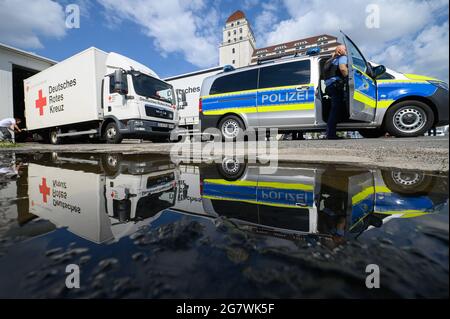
(40, 103)
(44, 190)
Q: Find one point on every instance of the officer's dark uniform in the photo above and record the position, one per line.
(335, 88)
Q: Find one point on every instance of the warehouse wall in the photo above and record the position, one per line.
(7, 59)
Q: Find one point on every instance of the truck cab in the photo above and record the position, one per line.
(289, 94)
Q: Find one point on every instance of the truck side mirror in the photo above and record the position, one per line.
(120, 82)
(181, 98)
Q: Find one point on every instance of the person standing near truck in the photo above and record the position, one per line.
(335, 73)
(9, 124)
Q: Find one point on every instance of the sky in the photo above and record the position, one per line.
(177, 36)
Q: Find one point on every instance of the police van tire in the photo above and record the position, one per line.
(112, 134)
(372, 133)
(231, 169)
(408, 183)
(409, 119)
(231, 128)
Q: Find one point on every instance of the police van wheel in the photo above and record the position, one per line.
(231, 127)
(112, 134)
(408, 183)
(231, 168)
(409, 119)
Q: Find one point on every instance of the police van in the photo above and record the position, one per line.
(289, 94)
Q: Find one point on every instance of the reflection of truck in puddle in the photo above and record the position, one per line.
(323, 200)
(71, 191)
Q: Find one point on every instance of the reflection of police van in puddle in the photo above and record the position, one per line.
(74, 191)
(289, 94)
(316, 199)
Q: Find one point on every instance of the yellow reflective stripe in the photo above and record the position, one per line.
(237, 110)
(261, 184)
(285, 107)
(369, 191)
(262, 109)
(357, 95)
(276, 88)
(401, 81)
(419, 77)
(253, 202)
(409, 213)
(384, 104)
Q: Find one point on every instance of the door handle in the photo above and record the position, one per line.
(301, 88)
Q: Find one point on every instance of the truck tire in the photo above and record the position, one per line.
(231, 128)
(53, 137)
(408, 183)
(112, 134)
(372, 133)
(409, 119)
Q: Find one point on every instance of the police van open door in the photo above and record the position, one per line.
(362, 88)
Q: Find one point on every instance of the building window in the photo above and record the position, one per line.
(240, 30)
(232, 24)
(234, 61)
(233, 50)
(239, 22)
(234, 39)
(229, 33)
(229, 41)
(240, 38)
(234, 31)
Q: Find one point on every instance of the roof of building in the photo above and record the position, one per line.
(282, 54)
(293, 44)
(237, 15)
(26, 53)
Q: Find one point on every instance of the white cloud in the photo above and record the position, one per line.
(403, 25)
(176, 26)
(23, 23)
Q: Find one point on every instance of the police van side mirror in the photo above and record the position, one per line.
(120, 82)
(378, 71)
(181, 98)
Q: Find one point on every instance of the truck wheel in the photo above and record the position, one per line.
(54, 138)
(372, 133)
(112, 134)
(231, 127)
(407, 183)
(409, 119)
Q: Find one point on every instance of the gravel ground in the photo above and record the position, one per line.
(423, 153)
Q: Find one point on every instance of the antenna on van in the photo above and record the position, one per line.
(310, 52)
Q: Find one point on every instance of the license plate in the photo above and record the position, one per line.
(163, 125)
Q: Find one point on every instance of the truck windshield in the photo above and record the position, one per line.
(153, 88)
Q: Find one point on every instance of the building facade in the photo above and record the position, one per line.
(238, 47)
(238, 44)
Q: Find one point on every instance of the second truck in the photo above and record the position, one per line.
(100, 96)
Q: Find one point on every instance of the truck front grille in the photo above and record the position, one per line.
(157, 112)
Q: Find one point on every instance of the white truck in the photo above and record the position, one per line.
(189, 85)
(77, 192)
(100, 95)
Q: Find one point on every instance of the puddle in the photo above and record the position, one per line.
(142, 226)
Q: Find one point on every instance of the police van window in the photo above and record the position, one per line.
(294, 73)
(240, 81)
(358, 59)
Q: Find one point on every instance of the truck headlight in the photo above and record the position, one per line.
(439, 84)
(138, 123)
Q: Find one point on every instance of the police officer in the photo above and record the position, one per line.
(335, 74)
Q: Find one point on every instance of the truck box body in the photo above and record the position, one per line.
(190, 83)
(66, 93)
(72, 199)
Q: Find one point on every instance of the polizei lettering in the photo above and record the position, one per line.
(56, 95)
(285, 97)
